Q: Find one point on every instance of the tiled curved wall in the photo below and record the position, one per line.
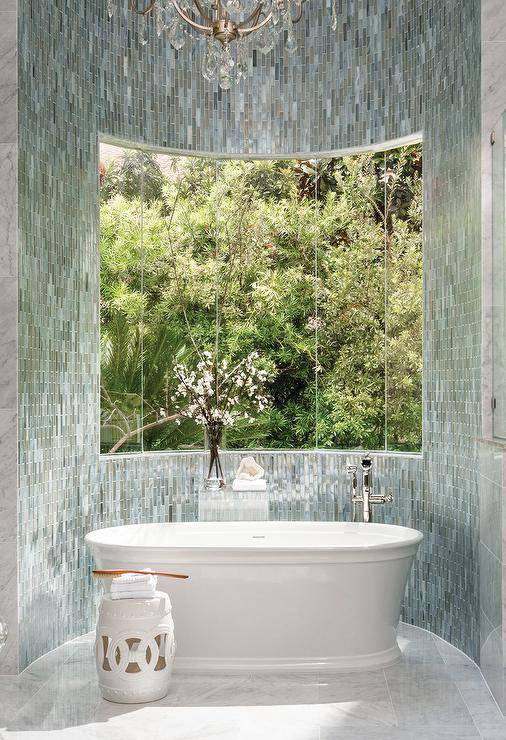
(358, 85)
(410, 65)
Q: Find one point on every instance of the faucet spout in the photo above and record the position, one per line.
(355, 498)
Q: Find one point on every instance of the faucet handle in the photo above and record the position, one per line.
(382, 498)
(351, 469)
(366, 463)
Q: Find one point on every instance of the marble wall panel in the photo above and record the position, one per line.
(492, 480)
(8, 332)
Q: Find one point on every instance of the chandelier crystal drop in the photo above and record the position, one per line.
(333, 22)
(226, 26)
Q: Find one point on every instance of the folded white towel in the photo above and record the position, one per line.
(119, 585)
(147, 594)
(134, 578)
(249, 485)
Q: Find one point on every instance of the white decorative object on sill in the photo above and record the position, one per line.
(134, 648)
(249, 469)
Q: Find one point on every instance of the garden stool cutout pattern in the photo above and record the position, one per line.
(134, 648)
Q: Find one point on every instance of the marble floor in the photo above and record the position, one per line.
(433, 692)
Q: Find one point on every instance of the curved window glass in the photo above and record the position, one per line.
(313, 265)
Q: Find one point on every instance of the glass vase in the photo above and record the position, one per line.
(215, 478)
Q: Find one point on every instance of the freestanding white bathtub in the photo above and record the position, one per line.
(274, 595)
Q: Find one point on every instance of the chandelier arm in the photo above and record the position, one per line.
(299, 14)
(221, 12)
(253, 17)
(246, 31)
(197, 26)
(248, 23)
(202, 12)
(133, 4)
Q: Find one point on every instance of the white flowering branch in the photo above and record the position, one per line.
(217, 396)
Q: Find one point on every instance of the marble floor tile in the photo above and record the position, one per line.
(400, 733)
(479, 701)
(360, 686)
(449, 654)
(15, 692)
(178, 723)
(357, 715)
(283, 729)
(52, 715)
(433, 692)
(67, 699)
(418, 649)
(247, 691)
(43, 668)
(71, 677)
(427, 702)
(493, 731)
(88, 639)
(196, 694)
(83, 653)
(414, 673)
(143, 724)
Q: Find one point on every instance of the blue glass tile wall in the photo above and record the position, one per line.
(302, 485)
(449, 506)
(392, 68)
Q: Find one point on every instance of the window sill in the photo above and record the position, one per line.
(106, 457)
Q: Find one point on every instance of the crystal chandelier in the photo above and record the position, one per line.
(225, 25)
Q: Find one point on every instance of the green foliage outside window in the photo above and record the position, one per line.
(315, 265)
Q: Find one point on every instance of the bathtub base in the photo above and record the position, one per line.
(323, 665)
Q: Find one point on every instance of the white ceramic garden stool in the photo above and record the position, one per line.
(134, 648)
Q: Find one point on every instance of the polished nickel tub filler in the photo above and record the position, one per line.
(274, 595)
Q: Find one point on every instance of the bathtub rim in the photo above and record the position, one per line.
(265, 554)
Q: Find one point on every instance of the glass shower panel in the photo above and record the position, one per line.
(402, 215)
(499, 280)
(121, 299)
(177, 319)
(351, 300)
(267, 294)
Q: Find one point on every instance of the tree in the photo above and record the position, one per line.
(134, 175)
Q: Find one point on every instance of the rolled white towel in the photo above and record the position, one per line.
(140, 594)
(258, 484)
